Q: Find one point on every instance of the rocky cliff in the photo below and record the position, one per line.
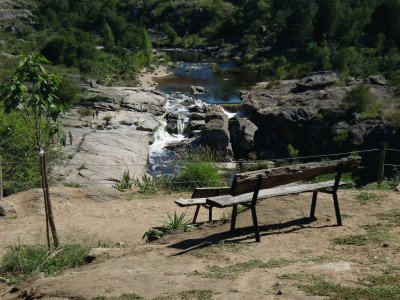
(309, 115)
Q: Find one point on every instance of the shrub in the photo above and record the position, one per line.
(341, 138)
(85, 111)
(292, 151)
(176, 222)
(147, 186)
(393, 117)
(358, 99)
(69, 91)
(107, 119)
(198, 174)
(170, 224)
(125, 183)
(199, 170)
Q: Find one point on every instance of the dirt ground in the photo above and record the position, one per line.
(207, 262)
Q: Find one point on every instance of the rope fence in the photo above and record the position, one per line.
(179, 163)
(110, 182)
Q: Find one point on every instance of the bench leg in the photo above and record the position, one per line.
(313, 205)
(337, 209)
(196, 214)
(255, 223)
(210, 214)
(233, 220)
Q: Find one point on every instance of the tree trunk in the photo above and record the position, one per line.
(42, 170)
(49, 208)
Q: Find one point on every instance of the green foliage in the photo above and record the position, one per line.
(393, 117)
(375, 234)
(292, 151)
(171, 223)
(147, 186)
(108, 119)
(85, 111)
(235, 270)
(358, 99)
(366, 197)
(69, 91)
(32, 107)
(176, 222)
(153, 235)
(199, 170)
(22, 260)
(323, 288)
(126, 182)
(341, 138)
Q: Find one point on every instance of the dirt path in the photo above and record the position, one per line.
(196, 265)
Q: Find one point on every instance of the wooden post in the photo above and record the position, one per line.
(1, 179)
(381, 166)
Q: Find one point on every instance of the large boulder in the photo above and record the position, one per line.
(148, 125)
(318, 81)
(309, 114)
(216, 135)
(242, 133)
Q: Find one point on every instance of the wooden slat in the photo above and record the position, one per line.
(190, 202)
(225, 201)
(245, 182)
(210, 192)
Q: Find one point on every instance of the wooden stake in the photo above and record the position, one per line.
(381, 166)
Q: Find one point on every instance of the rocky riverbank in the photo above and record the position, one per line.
(309, 114)
(108, 133)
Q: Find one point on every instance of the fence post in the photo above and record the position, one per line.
(381, 166)
(1, 179)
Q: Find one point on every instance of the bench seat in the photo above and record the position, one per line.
(191, 202)
(228, 200)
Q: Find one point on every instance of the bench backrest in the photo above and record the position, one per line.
(246, 182)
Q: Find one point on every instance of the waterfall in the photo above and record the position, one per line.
(159, 157)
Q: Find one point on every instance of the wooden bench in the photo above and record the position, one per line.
(250, 187)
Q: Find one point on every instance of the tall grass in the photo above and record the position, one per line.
(199, 170)
(22, 260)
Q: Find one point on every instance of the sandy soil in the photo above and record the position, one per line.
(180, 264)
(146, 78)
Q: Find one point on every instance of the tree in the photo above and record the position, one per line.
(31, 91)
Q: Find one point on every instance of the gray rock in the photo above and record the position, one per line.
(197, 89)
(197, 125)
(242, 133)
(377, 79)
(148, 125)
(318, 81)
(197, 116)
(216, 135)
(7, 209)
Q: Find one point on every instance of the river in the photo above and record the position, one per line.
(222, 81)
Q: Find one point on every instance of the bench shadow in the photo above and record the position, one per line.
(244, 233)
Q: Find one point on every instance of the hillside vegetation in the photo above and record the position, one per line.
(282, 39)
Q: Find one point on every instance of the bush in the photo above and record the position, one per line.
(147, 186)
(170, 224)
(199, 170)
(198, 174)
(358, 100)
(85, 111)
(393, 117)
(69, 91)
